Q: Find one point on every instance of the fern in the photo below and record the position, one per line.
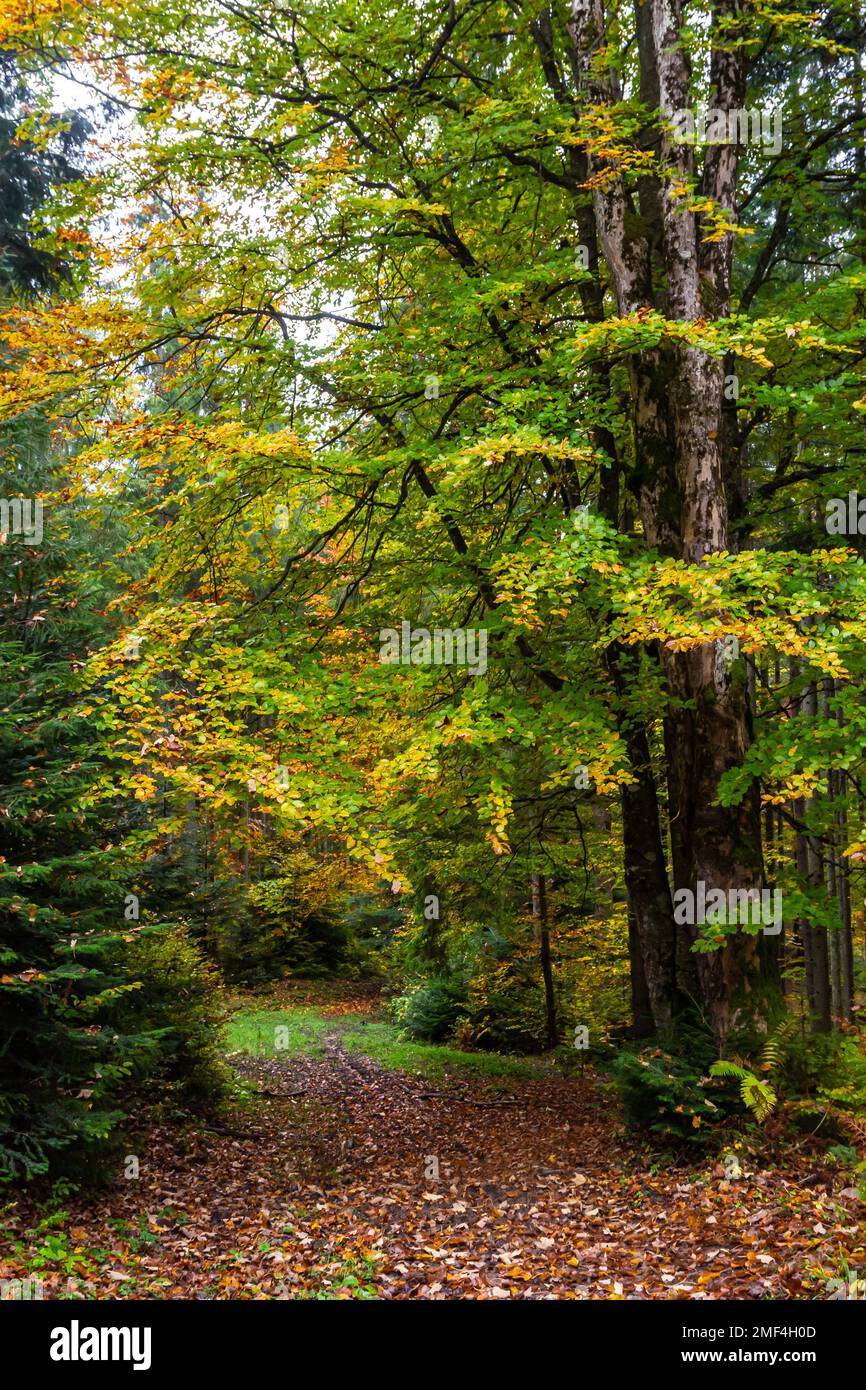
(757, 1095)
(776, 1046)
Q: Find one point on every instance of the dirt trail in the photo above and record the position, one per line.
(349, 1172)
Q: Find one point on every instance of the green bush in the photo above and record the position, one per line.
(669, 1096)
(432, 1012)
(505, 1009)
(492, 999)
(828, 1065)
(371, 921)
(509, 1021)
(178, 1005)
(286, 925)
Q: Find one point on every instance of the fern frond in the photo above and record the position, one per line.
(758, 1097)
(775, 1048)
(755, 1094)
(729, 1069)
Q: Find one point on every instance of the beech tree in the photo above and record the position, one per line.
(470, 327)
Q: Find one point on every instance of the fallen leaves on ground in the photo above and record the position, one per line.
(351, 1181)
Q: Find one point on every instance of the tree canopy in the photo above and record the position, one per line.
(467, 403)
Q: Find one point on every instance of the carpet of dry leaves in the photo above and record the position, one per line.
(322, 1188)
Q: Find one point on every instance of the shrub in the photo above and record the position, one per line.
(177, 1004)
(432, 1012)
(669, 1096)
(288, 924)
(492, 999)
(505, 1009)
(371, 921)
(759, 1094)
(824, 1062)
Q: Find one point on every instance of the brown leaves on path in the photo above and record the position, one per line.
(371, 1183)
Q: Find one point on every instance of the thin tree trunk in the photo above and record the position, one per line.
(834, 957)
(843, 890)
(820, 997)
(542, 934)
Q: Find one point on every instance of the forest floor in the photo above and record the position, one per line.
(322, 1183)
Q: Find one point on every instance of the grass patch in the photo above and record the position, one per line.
(386, 1045)
(255, 1032)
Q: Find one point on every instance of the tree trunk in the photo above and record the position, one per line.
(814, 939)
(542, 934)
(643, 1023)
(683, 463)
(843, 890)
(646, 876)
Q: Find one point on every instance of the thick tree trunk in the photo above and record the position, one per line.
(718, 846)
(683, 458)
(642, 1021)
(646, 876)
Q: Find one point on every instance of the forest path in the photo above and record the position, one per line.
(539, 1193)
(324, 1185)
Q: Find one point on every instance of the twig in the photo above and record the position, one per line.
(279, 1095)
(463, 1100)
